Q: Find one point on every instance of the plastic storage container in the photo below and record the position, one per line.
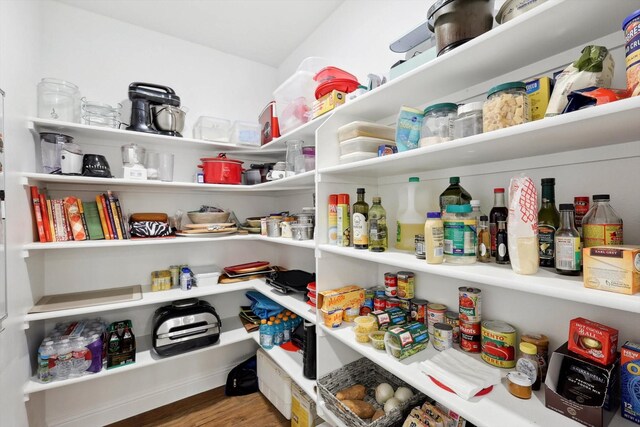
(331, 73)
(274, 383)
(371, 130)
(363, 144)
(206, 275)
(459, 235)
(469, 120)
(437, 125)
(245, 133)
(507, 105)
(212, 129)
(356, 157)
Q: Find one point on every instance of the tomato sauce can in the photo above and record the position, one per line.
(470, 337)
(498, 341)
(442, 336)
(380, 303)
(367, 307)
(419, 310)
(406, 284)
(435, 314)
(391, 285)
(452, 318)
(470, 304)
(393, 302)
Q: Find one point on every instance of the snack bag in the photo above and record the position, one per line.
(522, 229)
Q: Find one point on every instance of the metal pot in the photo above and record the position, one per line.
(168, 118)
(220, 170)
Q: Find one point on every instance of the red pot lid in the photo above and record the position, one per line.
(341, 85)
(219, 159)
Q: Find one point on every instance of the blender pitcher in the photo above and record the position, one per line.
(295, 158)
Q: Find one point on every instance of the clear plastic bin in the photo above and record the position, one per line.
(212, 129)
(206, 275)
(363, 144)
(245, 133)
(371, 130)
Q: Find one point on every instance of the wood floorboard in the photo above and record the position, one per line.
(211, 409)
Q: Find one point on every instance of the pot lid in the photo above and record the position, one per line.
(222, 157)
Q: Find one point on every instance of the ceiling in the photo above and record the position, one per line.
(266, 31)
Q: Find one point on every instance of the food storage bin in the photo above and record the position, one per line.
(212, 129)
(58, 100)
(356, 157)
(506, 105)
(245, 133)
(363, 144)
(206, 275)
(371, 130)
(331, 73)
(274, 383)
(469, 120)
(377, 339)
(437, 125)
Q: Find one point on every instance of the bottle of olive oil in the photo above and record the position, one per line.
(378, 236)
(359, 218)
(548, 223)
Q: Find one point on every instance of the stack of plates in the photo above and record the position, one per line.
(208, 230)
(249, 269)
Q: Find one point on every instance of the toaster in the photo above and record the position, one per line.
(184, 326)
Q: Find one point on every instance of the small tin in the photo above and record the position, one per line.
(442, 336)
(498, 340)
(393, 302)
(452, 318)
(470, 337)
(406, 284)
(367, 306)
(380, 303)
(420, 254)
(470, 304)
(405, 304)
(379, 291)
(419, 310)
(435, 314)
(390, 285)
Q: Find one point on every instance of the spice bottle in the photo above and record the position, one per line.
(567, 243)
(360, 217)
(602, 225)
(434, 238)
(528, 364)
(502, 252)
(499, 212)
(454, 195)
(581, 204)
(484, 240)
(548, 223)
(378, 236)
(344, 217)
(332, 221)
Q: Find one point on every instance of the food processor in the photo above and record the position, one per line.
(71, 159)
(133, 162)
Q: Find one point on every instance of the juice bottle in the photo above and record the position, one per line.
(410, 222)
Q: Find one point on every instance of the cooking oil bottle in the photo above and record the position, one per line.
(410, 222)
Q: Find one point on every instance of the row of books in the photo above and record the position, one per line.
(61, 220)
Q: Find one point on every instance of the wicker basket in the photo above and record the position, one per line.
(367, 373)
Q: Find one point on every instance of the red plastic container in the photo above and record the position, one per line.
(341, 85)
(330, 73)
(220, 170)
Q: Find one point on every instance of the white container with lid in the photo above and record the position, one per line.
(245, 133)
(362, 128)
(212, 129)
(356, 157)
(469, 121)
(206, 275)
(363, 144)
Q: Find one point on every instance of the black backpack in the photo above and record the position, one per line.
(243, 379)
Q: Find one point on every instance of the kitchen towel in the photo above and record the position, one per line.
(463, 374)
(262, 306)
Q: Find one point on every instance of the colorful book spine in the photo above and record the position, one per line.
(93, 221)
(67, 223)
(45, 218)
(52, 230)
(112, 223)
(37, 214)
(114, 213)
(103, 221)
(84, 218)
(74, 216)
(107, 220)
(123, 222)
(59, 221)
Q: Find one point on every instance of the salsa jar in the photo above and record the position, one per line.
(437, 125)
(506, 105)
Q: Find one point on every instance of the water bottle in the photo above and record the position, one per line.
(45, 352)
(295, 321)
(278, 334)
(286, 329)
(81, 357)
(63, 367)
(266, 334)
(185, 279)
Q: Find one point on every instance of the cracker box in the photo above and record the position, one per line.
(341, 298)
(539, 91)
(593, 340)
(328, 103)
(612, 268)
(630, 381)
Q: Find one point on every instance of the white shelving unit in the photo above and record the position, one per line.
(293, 302)
(306, 132)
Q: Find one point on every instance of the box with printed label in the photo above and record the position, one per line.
(539, 91)
(341, 298)
(593, 340)
(303, 409)
(612, 268)
(328, 103)
(630, 381)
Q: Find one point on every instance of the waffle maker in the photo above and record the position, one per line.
(145, 95)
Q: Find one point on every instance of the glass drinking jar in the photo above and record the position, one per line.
(295, 158)
(437, 125)
(58, 100)
(469, 121)
(506, 105)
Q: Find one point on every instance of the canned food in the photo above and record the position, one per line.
(379, 291)
(442, 336)
(470, 337)
(498, 343)
(390, 284)
(380, 303)
(419, 310)
(405, 304)
(393, 302)
(406, 284)
(452, 318)
(368, 302)
(470, 304)
(435, 314)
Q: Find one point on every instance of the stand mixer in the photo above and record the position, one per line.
(155, 109)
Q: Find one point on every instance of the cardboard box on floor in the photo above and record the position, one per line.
(303, 409)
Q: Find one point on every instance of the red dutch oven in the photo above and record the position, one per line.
(220, 170)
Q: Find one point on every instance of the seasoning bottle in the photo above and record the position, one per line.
(419, 242)
(359, 218)
(567, 243)
(528, 364)
(548, 223)
(434, 238)
(581, 204)
(410, 222)
(484, 240)
(378, 236)
(459, 235)
(343, 224)
(332, 221)
(602, 225)
(502, 253)
(499, 212)
(454, 195)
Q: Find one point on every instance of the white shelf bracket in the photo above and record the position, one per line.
(318, 177)
(26, 325)
(24, 181)
(24, 254)
(318, 253)
(25, 397)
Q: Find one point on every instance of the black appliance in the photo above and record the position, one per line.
(291, 281)
(145, 95)
(184, 326)
(96, 166)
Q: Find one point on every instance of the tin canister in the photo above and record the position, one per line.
(442, 336)
(470, 337)
(390, 285)
(406, 284)
(435, 314)
(367, 306)
(380, 303)
(419, 310)
(470, 304)
(405, 304)
(393, 302)
(379, 291)
(498, 343)
(452, 318)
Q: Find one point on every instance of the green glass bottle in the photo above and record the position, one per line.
(454, 195)
(548, 223)
(359, 217)
(378, 236)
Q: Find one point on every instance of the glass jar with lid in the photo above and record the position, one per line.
(437, 125)
(506, 105)
(469, 120)
(58, 100)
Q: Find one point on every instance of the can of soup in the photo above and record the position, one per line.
(419, 310)
(498, 341)
(380, 303)
(452, 318)
(435, 314)
(442, 336)
(393, 302)
(390, 285)
(405, 304)
(406, 284)
(470, 304)
(470, 337)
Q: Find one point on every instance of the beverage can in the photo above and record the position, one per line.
(390, 284)
(406, 284)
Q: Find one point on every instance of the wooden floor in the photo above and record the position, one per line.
(212, 409)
